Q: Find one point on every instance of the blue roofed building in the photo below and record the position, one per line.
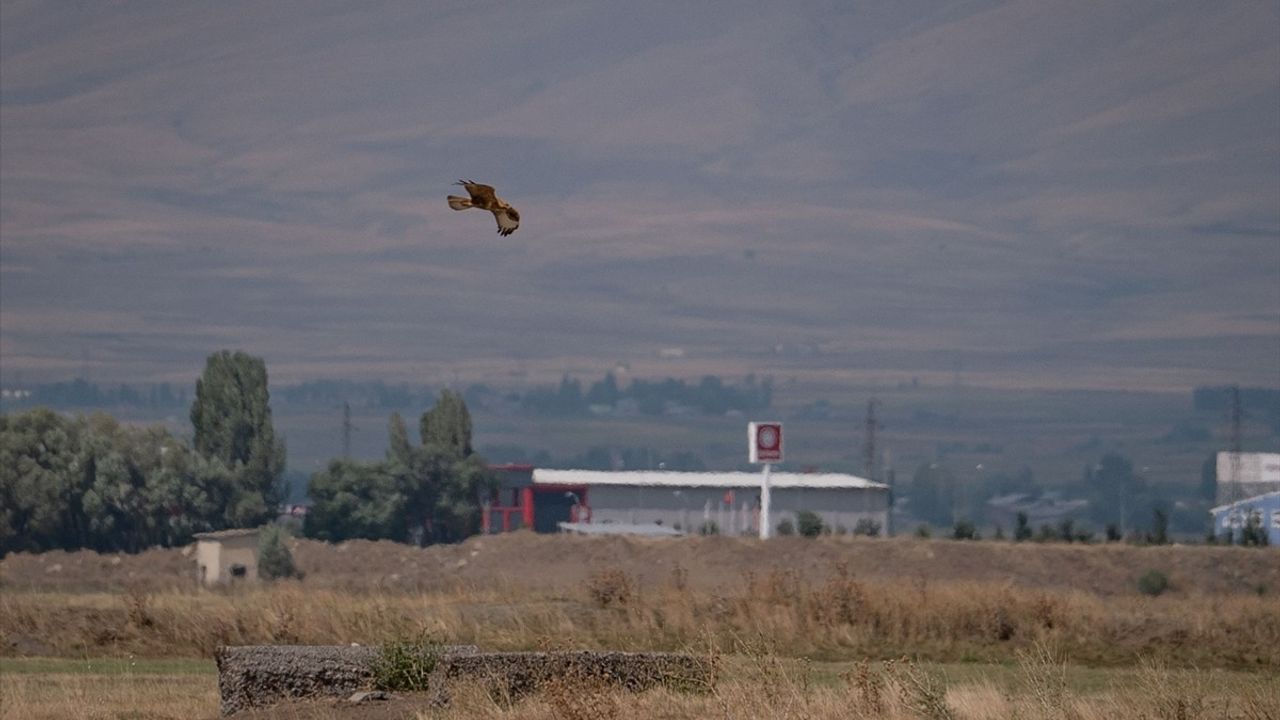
(1230, 520)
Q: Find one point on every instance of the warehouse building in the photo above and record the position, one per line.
(726, 503)
(1261, 511)
(1246, 474)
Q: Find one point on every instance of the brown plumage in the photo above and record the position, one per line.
(483, 197)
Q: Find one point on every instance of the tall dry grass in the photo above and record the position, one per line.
(753, 682)
(68, 696)
(840, 617)
(763, 685)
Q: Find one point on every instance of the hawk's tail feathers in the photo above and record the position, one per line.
(459, 203)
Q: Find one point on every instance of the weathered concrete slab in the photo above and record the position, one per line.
(515, 674)
(261, 675)
(258, 675)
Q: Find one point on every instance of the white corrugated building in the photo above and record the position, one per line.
(727, 501)
(1247, 474)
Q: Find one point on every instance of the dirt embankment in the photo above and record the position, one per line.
(708, 564)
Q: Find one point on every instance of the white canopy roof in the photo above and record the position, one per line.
(663, 478)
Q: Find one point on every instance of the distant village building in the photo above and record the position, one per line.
(726, 503)
(227, 556)
(1230, 519)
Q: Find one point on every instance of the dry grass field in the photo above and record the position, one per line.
(752, 684)
(836, 627)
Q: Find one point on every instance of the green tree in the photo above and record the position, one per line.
(193, 493)
(604, 392)
(1159, 534)
(94, 483)
(429, 493)
(933, 494)
(1022, 529)
(275, 560)
(448, 477)
(355, 500)
(1115, 492)
(1208, 490)
(40, 483)
(116, 498)
(400, 450)
(231, 416)
(447, 425)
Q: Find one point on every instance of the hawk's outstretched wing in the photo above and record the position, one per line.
(483, 197)
(508, 220)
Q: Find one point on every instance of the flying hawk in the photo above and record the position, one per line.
(482, 197)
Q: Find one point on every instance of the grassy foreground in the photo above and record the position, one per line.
(107, 688)
(754, 684)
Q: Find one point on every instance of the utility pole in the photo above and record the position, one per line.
(889, 478)
(1234, 492)
(869, 442)
(346, 430)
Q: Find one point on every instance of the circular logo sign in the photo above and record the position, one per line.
(768, 437)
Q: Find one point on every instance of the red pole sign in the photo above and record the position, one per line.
(764, 442)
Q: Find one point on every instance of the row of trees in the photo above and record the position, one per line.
(420, 493)
(709, 396)
(91, 482)
(1117, 495)
(82, 393)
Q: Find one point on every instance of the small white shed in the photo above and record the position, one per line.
(227, 556)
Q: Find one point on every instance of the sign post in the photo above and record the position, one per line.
(764, 446)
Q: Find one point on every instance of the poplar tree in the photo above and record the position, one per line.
(447, 425)
(231, 416)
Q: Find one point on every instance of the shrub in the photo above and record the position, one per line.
(868, 527)
(1153, 583)
(1067, 530)
(809, 523)
(710, 527)
(274, 558)
(923, 531)
(405, 664)
(964, 530)
(786, 527)
(1022, 530)
(610, 587)
(1159, 534)
(1253, 534)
